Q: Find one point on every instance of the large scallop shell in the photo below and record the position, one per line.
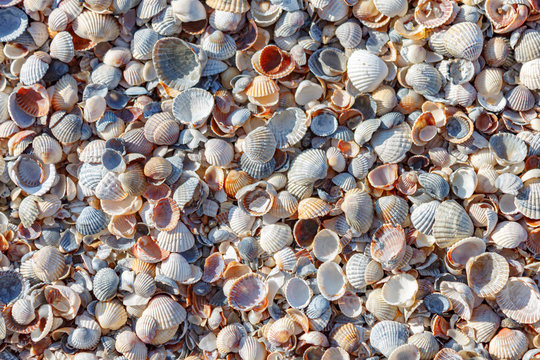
(508, 344)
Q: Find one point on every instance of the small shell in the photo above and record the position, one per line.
(527, 201)
(519, 300)
(487, 274)
(463, 182)
(508, 344)
(105, 284)
(193, 107)
(388, 246)
(461, 297)
(459, 253)
(167, 312)
(458, 129)
(33, 100)
(48, 264)
(247, 292)
(361, 271)
(451, 224)
(331, 281)
(14, 286)
(326, 245)
(366, 71)
(358, 209)
(424, 79)
(383, 177)
(386, 336)
(426, 344)
(275, 237)
(96, 27)
(91, 221)
(391, 8)
(392, 145)
(34, 68)
(23, 311)
(311, 208)
(234, 6)
(219, 46)
(346, 336)
(400, 290)
(229, 338)
(349, 34)
(528, 46)
(176, 63)
(508, 148)
(464, 40)
(161, 129)
(218, 152)
(433, 14)
(508, 234)
(110, 314)
(297, 293)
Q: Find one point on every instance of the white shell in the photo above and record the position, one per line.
(366, 71)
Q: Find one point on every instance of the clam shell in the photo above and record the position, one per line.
(484, 322)
(33, 100)
(459, 253)
(400, 290)
(176, 267)
(349, 34)
(358, 209)
(434, 185)
(110, 314)
(508, 344)
(487, 274)
(308, 167)
(247, 292)
(144, 285)
(366, 71)
(346, 336)
(105, 284)
(259, 145)
(161, 129)
(461, 297)
(426, 344)
(96, 27)
(464, 40)
(48, 264)
(311, 208)
(219, 46)
(520, 98)
(297, 293)
(529, 74)
(508, 234)
(234, 6)
(519, 300)
(463, 182)
(388, 246)
(176, 63)
(331, 281)
(391, 8)
(275, 237)
(34, 68)
(526, 201)
(15, 21)
(361, 271)
(167, 312)
(193, 107)
(91, 221)
(326, 245)
(386, 336)
(451, 224)
(424, 79)
(392, 145)
(508, 148)
(23, 311)
(376, 305)
(527, 48)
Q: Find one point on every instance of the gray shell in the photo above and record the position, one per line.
(13, 287)
(105, 284)
(434, 185)
(91, 221)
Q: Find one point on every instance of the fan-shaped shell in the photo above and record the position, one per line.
(451, 224)
(366, 71)
(388, 246)
(508, 344)
(96, 27)
(392, 145)
(193, 107)
(487, 274)
(464, 40)
(105, 284)
(110, 314)
(386, 336)
(529, 74)
(424, 79)
(247, 292)
(519, 300)
(91, 221)
(275, 237)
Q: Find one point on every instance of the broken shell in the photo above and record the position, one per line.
(481, 279)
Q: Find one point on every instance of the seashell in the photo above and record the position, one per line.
(14, 286)
(189, 11)
(447, 354)
(176, 63)
(147, 9)
(284, 205)
(362, 271)
(176, 267)
(349, 34)
(383, 177)
(386, 336)
(484, 322)
(34, 68)
(508, 148)
(105, 284)
(297, 293)
(508, 234)
(426, 344)
(400, 290)
(451, 224)
(463, 182)
(484, 281)
(335, 353)
(285, 258)
(392, 145)
(405, 351)
(433, 14)
(219, 46)
(376, 305)
(250, 348)
(520, 98)
(526, 201)
(28, 211)
(15, 21)
(91, 221)
(229, 338)
(193, 106)
(48, 264)
(391, 8)
(459, 253)
(326, 245)
(167, 312)
(23, 311)
(434, 185)
(161, 129)
(324, 124)
(66, 128)
(234, 6)
(247, 292)
(144, 285)
(388, 246)
(96, 27)
(347, 337)
(33, 100)
(366, 71)
(260, 144)
(508, 344)
(275, 237)
(519, 300)
(528, 75)
(461, 297)
(331, 281)
(311, 208)
(110, 314)
(358, 209)
(308, 167)
(424, 79)
(464, 40)
(526, 48)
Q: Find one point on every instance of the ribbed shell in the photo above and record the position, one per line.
(528, 46)
(487, 274)
(167, 312)
(28, 211)
(218, 152)
(528, 201)
(424, 79)
(386, 336)
(15, 23)
(508, 344)
(461, 297)
(91, 221)
(219, 46)
(358, 209)
(366, 70)
(234, 6)
(23, 311)
(308, 167)
(346, 336)
(423, 216)
(96, 27)
(144, 285)
(162, 129)
(388, 246)
(529, 74)
(48, 264)
(176, 267)
(464, 40)
(349, 34)
(193, 106)
(228, 339)
(110, 314)
(426, 343)
(452, 223)
(311, 208)
(392, 145)
(105, 284)
(61, 47)
(520, 300)
(34, 68)
(508, 234)
(247, 292)
(485, 323)
(520, 98)
(275, 237)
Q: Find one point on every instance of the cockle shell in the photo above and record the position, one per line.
(451, 224)
(366, 71)
(508, 344)
(464, 40)
(519, 300)
(96, 27)
(426, 344)
(386, 336)
(358, 210)
(529, 74)
(482, 280)
(247, 292)
(331, 281)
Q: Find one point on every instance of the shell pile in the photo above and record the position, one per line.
(269, 179)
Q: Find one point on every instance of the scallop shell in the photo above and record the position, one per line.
(275, 237)
(526, 201)
(176, 267)
(508, 148)
(361, 271)
(234, 6)
(229, 338)
(451, 224)
(508, 344)
(461, 297)
(23, 311)
(308, 167)
(193, 107)
(433, 14)
(247, 292)
(508, 234)
(260, 144)
(424, 79)
(347, 337)
(434, 185)
(487, 274)
(376, 305)
(105, 284)
(464, 40)
(519, 300)
(33, 100)
(91, 221)
(96, 27)
(392, 145)
(162, 129)
(34, 68)
(219, 46)
(311, 208)
(527, 48)
(366, 71)
(426, 344)
(358, 209)
(177, 65)
(391, 8)
(386, 336)
(331, 281)
(48, 264)
(520, 98)
(167, 312)
(484, 322)
(529, 74)
(388, 246)
(110, 315)
(459, 253)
